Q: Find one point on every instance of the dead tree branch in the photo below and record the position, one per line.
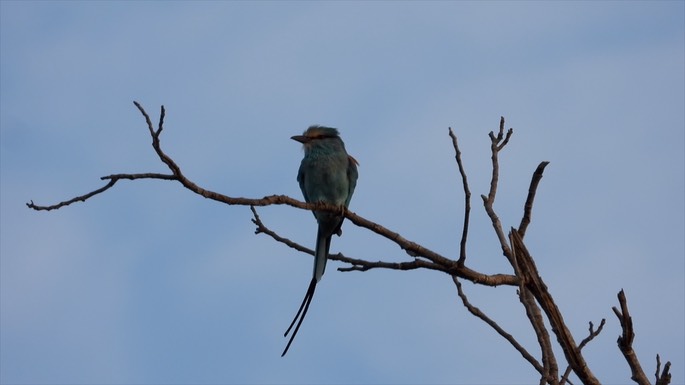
(663, 378)
(467, 199)
(497, 143)
(434, 261)
(551, 372)
(355, 264)
(534, 282)
(480, 314)
(533, 293)
(591, 336)
(528, 207)
(113, 179)
(551, 368)
(625, 345)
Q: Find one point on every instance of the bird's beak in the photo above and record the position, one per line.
(300, 138)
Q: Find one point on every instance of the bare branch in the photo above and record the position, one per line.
(496, 145)
(528, 207)
(162, 114)
(357, 264)
(500, 135)
(414, 249)
(264, 230)
(467, 199)
(538, 288)
(363, 265)
(113, 179)
(80, 198)
(147, 118)
(158, 149)
(665, 377)
(533, 293)
(625, 340)
(593, 333)
(551, 368)
(549, 361)
(478, 313)
(438, 261)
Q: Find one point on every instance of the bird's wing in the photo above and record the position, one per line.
(300, 180)
(352, 175)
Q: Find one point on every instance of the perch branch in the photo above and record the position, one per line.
(362, 265)
(410, 247)
(526, 276)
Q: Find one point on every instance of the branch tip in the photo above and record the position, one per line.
(162, 113)
(532, 190)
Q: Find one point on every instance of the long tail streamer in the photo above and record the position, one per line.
(302, 310)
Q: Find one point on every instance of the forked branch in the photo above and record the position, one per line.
(423, 257)
(497, 143)
(625, 345)
(533, 292)
(535, 284)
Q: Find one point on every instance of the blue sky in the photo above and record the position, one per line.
(150, 283)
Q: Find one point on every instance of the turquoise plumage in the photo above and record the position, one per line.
(327, 174)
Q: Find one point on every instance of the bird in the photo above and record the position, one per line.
(329, 175)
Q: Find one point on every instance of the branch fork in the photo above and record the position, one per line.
(533, 293)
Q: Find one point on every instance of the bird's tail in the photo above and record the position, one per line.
(323, 244)
(301, 311)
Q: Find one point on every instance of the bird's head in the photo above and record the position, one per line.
(316, 133)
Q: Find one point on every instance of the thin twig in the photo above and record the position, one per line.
(528, 207)
(665, 377)
(467, 199)
(80, 198)
(479, 313)
(113, 179)
(592, 334)
(356, 264)
(364, 265)
(497, 143)
(261, 229)
(625, 340)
